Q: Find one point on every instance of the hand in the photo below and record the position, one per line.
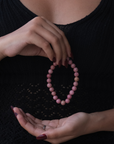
(56, 131)
(36, 38)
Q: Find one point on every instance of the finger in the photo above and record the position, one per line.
(42, 43)
(25, 124)
(34, 119)
(48, 27)
(53, 40)
(45, 122)
(20, 111)
(31, 118)
(64, 56)
(32, 50)
(67, 45)
(42, 53)
(21, 117)
(55, 32)
(56, 133)
(31, 121)
(50, 123)
(59, 140)
(28, 126)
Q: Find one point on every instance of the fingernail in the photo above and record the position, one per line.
(41, 137)
(15, 114)
(72, 56)
(60, 63)
(54, 59)
(12, 107)
(66, 63)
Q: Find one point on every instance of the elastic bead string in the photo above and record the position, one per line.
(74, 87)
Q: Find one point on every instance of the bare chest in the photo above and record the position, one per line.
(61, 11)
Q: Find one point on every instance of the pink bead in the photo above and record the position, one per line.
(55, 97)
(58, 101)
(76, 79)
(75, 69)
(67, 101)
(48, 80)
(75, 83)
(53, 93)
(54, 64)
(50, 71)
(49, 85)
(62, 102)
(71, 92)
(70, 62)
(51, 89)
(48, 76)
(52, 67)
(73, 65)
(69, 96)
(76, 74)
(74, 88)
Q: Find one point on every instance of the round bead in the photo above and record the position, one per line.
(62, 102)
(48, 80)
(74, 88)
(69, 96)
(75, 69)
(54, 64)
(76, 79)
(48, 76)
(76, 74)
(58, 101)
(73, 65)
(49, 85)
(75, 83)
(71, 92)
(51, 89)
(53, 93)
(67, 100)
(70, 62)
(52, 67)
(50, 71)
(55, 97)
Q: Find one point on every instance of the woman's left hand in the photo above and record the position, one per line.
(56, 131)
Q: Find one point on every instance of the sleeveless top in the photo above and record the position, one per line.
(23, 78)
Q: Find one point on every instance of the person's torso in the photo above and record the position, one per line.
(61, 12)
(23, 79)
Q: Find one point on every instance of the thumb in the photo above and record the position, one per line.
(56, 133)
(32, 50)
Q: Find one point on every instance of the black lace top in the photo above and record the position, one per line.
(23, 79)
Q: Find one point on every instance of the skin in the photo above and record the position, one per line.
(36, 38)
(61, 11)
(60, 130)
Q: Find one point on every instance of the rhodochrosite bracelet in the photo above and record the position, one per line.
(74, 87)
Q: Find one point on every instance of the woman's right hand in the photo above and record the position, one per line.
(36, 38)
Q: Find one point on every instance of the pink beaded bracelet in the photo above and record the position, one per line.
(74, 87)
